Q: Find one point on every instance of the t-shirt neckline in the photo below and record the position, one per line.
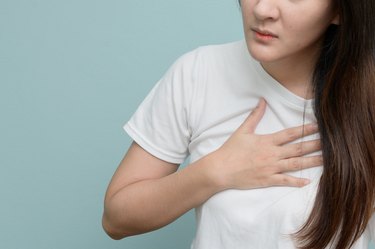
(277, 88)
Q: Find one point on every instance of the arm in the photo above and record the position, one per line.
(147, 193)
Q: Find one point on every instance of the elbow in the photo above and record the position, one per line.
(111, 231)
(113, 235)
(117, 225)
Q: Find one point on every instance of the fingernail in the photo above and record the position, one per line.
(306, 181)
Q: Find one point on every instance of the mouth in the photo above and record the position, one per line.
(264, 34)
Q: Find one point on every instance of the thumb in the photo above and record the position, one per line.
(252, 121)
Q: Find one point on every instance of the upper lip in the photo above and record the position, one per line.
(264, 32)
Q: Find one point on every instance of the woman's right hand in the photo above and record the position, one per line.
(247, 160)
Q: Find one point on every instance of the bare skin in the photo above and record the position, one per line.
(290, 56)
(147, 193)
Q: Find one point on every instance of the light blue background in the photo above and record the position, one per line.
(71, 74)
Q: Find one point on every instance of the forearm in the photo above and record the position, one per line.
(150, 204)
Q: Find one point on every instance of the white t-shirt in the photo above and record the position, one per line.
(194, 108)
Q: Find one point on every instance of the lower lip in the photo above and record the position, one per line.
(264, 37)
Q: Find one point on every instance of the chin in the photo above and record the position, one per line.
(262, 56)
(261, 53)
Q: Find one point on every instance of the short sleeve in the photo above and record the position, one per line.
(161, 123)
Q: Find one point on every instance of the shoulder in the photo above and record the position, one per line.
(191, 70)
(230, 48)
(212, 55)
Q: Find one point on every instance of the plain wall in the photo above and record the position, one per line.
(72, 72)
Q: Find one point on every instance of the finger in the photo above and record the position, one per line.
(299, 149)
(255, 116)
(291, 134)
(290, 181)
(299, 163)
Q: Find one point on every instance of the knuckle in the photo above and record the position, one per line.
(274, 140)
(318, 160)
(291, 134)
(299, 182)
(274, 153)
(284, 180)
(294, 163)
(269, 155)
(299, 149)
(313, 128)
(268, 139)
(262, 140)
(269, 170)
(317, 145)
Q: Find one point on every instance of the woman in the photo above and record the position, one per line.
(256, 180)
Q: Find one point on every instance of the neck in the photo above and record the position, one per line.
(294, 73)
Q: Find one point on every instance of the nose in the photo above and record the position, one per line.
(266, 9)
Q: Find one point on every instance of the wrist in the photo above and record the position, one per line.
(211, 168)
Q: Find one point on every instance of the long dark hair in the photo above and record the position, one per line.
(344, 89)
